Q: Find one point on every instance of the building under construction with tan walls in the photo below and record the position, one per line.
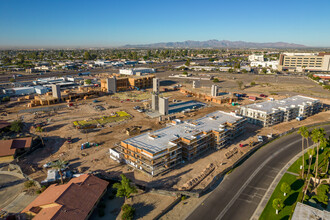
(161, 150)
(66, 96)
(126, 83)
(209, 98)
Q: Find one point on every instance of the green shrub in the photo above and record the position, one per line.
(29, 184)
(183, 197)
(38, 191)
(128, 212)
(16, 126)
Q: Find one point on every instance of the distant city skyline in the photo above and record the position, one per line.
(60, 24)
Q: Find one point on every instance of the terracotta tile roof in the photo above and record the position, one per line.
(73, 200)
(8, 147)
(3, 124)
(5, 148)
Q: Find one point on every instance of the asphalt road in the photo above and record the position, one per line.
(239, 194)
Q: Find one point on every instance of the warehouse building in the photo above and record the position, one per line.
(137, 71)
(159, 151)
(269, 113)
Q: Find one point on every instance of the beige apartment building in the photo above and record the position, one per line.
(299, 62)
(269, 113)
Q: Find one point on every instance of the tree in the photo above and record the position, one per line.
(303, 131)
(124, 188)
(317, 136)
(60, 165)
(128, 212)
(88, 81)
(12, 80)
(253, 83)
(87, 56)
(187, 62)
(285, 188)
(16, 126)
(278, 205)
(216, 80)
(185, 73)
(240, 84)
(311, 153)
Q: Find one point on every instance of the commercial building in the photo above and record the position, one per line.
(40, 90)
(135, 71)
(322, 76)
(159, 151)
(268, 64)
(74, 200)
(269, 113)
(299, 62)
(19, 91)
(255, 57)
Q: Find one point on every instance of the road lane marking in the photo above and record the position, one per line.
(250, 179)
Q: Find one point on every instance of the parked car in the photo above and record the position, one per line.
(263, 95)
(260, 138)
(136, 107)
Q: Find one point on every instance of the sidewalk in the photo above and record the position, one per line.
(272, 187)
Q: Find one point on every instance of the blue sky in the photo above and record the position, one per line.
(65, 23)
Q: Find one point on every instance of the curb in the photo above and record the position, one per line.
(271, 188)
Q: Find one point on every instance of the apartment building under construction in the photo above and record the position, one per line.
(125, 83)
(269, 113)
(159, 151)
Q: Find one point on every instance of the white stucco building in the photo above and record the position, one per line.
(134, 71)
(255, 57)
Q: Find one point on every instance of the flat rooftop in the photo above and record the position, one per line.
(162, 139)
(291, 102)
(303, 211)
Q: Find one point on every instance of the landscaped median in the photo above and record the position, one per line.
(316, 192)
(289, 201)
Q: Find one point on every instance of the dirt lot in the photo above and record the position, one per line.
(60, 126)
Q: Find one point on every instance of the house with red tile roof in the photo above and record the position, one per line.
(74, 200)
(10, 148)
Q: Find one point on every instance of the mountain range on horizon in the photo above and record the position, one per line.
(217, 44)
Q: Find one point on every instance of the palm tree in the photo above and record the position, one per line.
(317, 136)
(302, 131)
(311, 153)
(60, 165)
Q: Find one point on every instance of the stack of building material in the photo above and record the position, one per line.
(195, 181)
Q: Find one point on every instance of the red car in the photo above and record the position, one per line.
(263, 95)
